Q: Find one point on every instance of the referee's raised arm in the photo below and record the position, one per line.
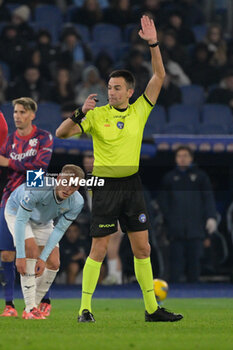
(148, 32)
(71, 126)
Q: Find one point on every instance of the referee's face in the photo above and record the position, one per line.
(119, 93)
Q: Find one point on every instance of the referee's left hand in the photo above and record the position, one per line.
(89, 103)
(148, 31)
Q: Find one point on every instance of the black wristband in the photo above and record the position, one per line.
(154, 45)
(77, 116)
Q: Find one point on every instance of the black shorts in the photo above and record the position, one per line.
(119, 199)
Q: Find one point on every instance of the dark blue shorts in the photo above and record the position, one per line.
(6, 240)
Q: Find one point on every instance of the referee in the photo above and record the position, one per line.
(117, 131)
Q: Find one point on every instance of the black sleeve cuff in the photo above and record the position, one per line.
(67, 218)
(25, 208)
(80, 125)
(77, 116)
(148, 101)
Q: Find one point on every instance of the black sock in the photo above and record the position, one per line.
(47, 301)
(10, 303)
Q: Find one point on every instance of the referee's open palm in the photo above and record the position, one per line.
(148, 31)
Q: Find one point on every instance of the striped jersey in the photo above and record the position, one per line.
(3, 129)
(30, 152)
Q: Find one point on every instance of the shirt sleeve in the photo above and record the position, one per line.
(143, 107)
(87, 122)
(22, 218)
(62, 225)
(208, 197)
(3, 129)
(77, 206)
(28, 202)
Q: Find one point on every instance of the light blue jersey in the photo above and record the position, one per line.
(41, 206)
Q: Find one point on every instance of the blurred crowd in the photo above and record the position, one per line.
(64, 67)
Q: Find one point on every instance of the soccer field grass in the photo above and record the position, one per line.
(207, 324)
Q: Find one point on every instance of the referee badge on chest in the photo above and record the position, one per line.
(120, 125)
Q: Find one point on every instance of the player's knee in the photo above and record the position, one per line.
(32, 252)
(142, 252)
(53, 264)
(99, 249)
(7, 256)
(98, 253)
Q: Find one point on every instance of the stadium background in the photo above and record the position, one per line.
(84, 45)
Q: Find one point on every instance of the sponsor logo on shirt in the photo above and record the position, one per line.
(30, 153)
(33, 142)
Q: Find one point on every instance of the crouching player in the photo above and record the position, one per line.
(29, 215)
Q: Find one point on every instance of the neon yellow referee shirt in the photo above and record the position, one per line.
(117, 137)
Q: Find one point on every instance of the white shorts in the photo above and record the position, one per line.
(41, 233)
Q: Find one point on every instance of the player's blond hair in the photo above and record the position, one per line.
(28, 103)
(73, 170)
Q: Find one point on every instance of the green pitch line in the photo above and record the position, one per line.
(207, 325)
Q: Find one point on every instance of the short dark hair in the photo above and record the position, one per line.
(126, 74)
(184, 148)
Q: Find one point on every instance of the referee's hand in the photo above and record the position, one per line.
(89, 103)
(148, 31)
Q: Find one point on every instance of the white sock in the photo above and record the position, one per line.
(43, 283)
(113, 270)
(28, 284)
(112, 266)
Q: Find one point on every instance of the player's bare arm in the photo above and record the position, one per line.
(69, 128)
(148, 32)
(4, 161)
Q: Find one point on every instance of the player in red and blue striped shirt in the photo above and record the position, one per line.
(28, 148)
(3, 129)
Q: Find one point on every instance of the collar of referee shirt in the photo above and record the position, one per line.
(120, 109)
